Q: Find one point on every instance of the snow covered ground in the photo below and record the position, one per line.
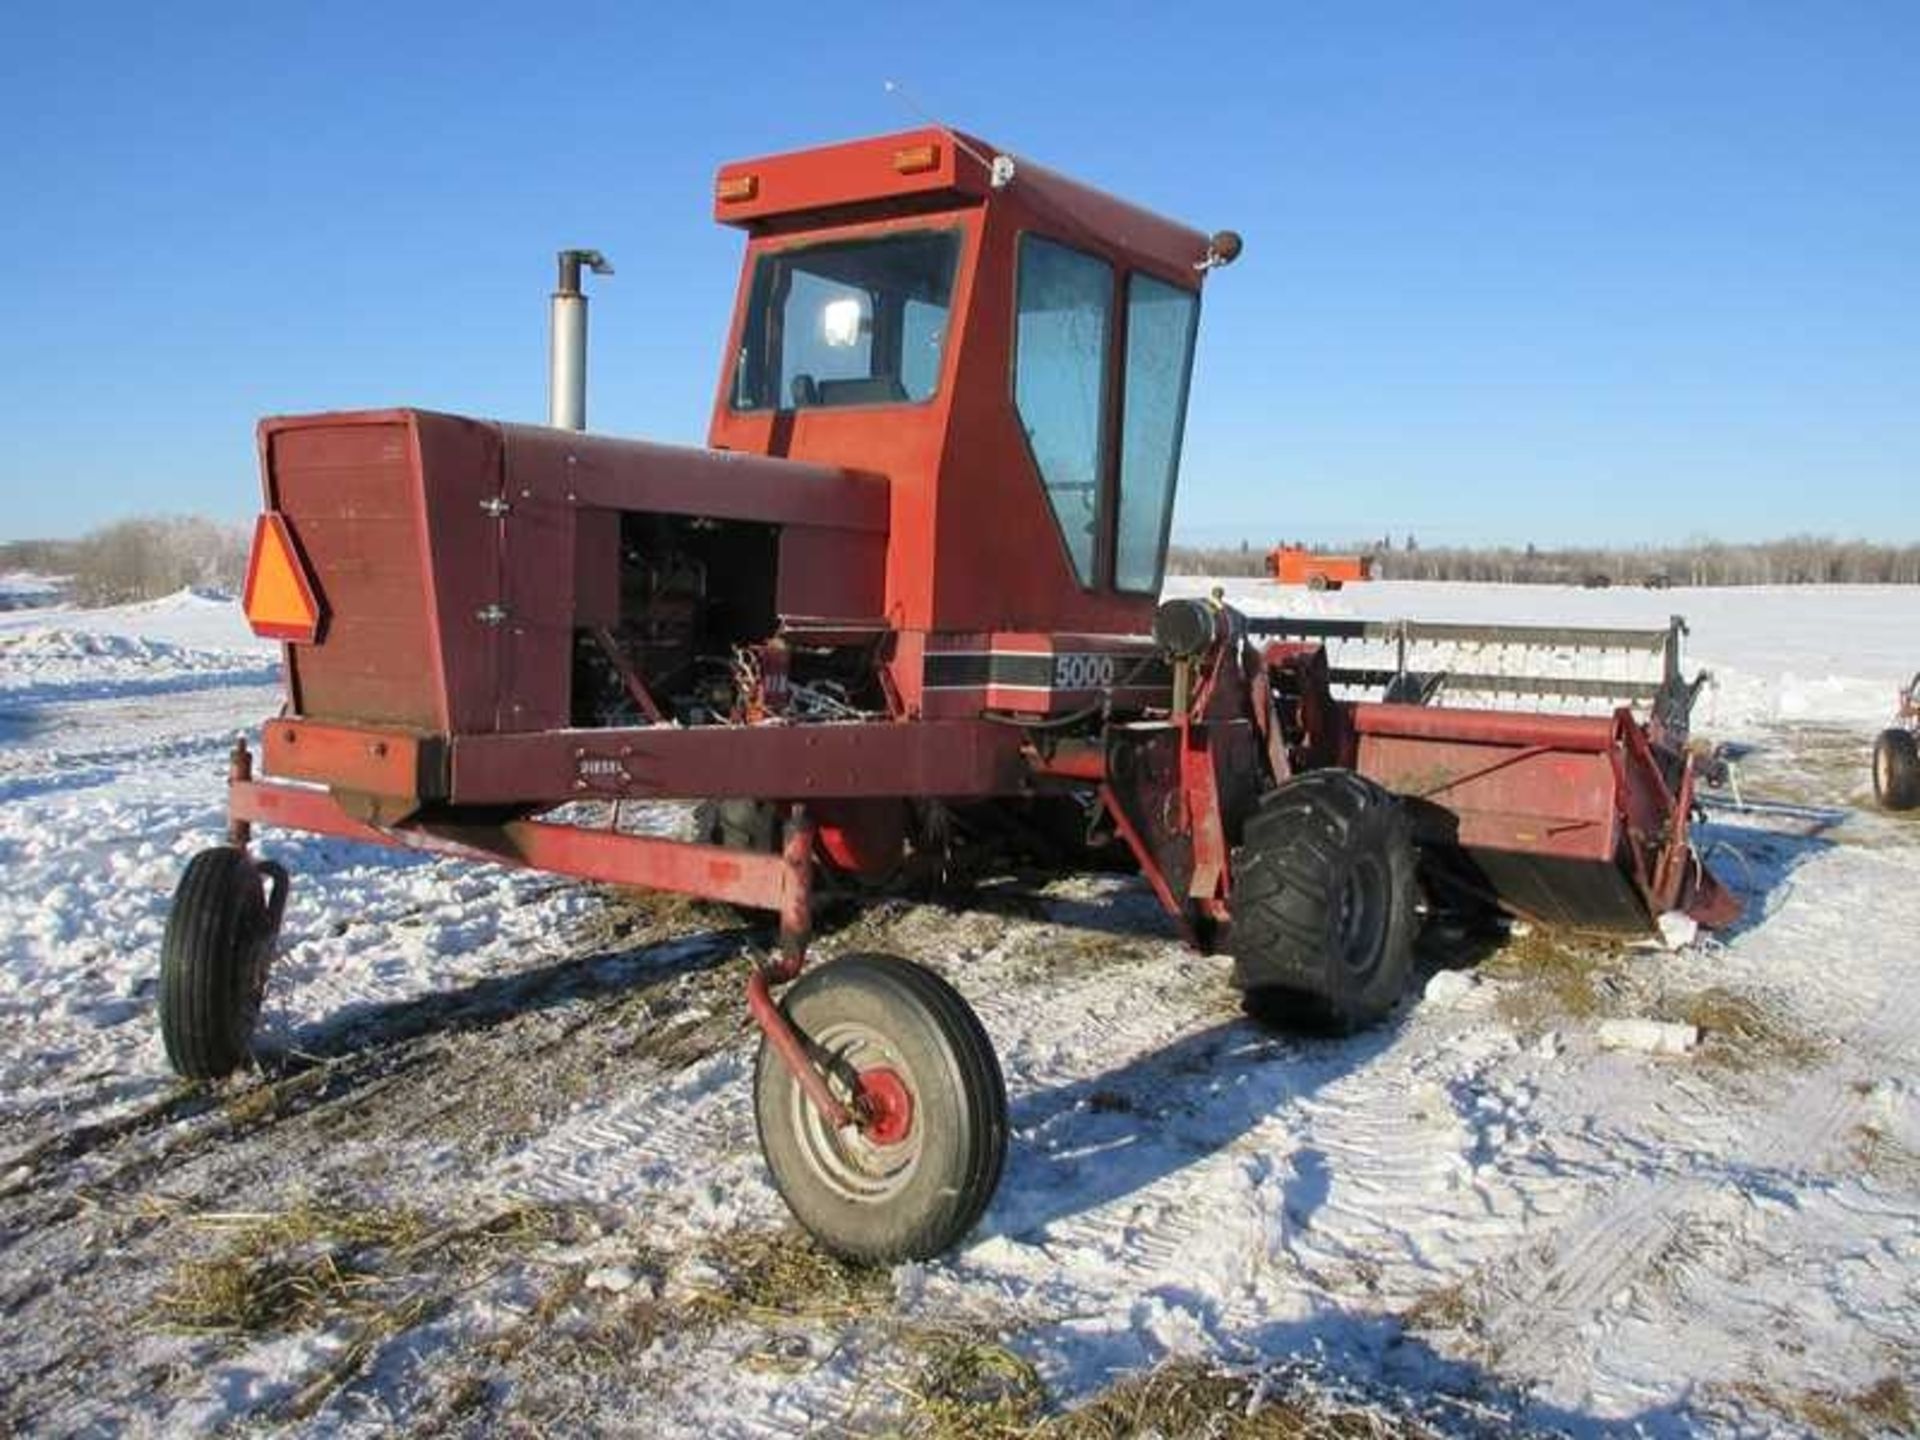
(26, 590)
(498, 1168)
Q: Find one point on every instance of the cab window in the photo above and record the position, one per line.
(1161, 322)
(848, 322)
(1060, 384)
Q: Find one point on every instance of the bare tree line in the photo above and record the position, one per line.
(149, 556)
(1797, 560)
(138, 559)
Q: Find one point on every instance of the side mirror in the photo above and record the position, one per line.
(1222, 249)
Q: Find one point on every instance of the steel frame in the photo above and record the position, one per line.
(781, 883)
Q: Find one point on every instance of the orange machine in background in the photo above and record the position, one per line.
(1297, 565)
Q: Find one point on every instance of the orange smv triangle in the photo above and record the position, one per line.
(279, 599)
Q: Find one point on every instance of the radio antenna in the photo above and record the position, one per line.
(999, 167)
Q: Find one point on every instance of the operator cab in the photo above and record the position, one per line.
(1010, 349)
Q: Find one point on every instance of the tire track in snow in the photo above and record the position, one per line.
(1551, 1292)
(1284, 1167)
(1424, 1159)
(639, 1144)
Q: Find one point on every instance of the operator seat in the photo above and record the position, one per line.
(880, 390)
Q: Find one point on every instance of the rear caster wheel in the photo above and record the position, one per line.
(1896, 770)
(898, 1041)
(1324, 899)
(214, 959)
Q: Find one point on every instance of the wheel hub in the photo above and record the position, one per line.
(1360, 916)
(886, 1104)
(876, 1158)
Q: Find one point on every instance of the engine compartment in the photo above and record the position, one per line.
(697, 639)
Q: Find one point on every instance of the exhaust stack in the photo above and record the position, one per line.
(567, 341)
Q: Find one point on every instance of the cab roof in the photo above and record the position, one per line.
(937, 168)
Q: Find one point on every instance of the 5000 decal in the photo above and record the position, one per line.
(1070, 670)
(1083, 672)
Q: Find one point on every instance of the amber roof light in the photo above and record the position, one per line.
(915, 159)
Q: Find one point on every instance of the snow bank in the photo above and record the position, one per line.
(206, 619)
(29, 590)
(185, 641)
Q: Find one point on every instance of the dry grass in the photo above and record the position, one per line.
(375, 1328)
(971, 1385)
(1448, 1308)
(231, 1294)
(1056, 951)
(514, 1228)
(372, 1273)
(269, 1097)
(1454, 1312)
(282, 1270)
(257, 1232)
(616, 1327)
(313, 1263)
(1737, 1032)
(1189, 1399)
(1875, 1152)
(1885, 1407)
(661, 913)
(1549, 979)
(782, 1274)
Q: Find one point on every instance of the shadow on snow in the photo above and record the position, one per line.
(1756, 848)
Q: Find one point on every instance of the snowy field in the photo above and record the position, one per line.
(497, 1170)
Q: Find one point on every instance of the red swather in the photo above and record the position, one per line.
(907, 597)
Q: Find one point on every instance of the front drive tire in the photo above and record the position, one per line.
(1896, 770)
(923, 1184)
(213, 964)
(1324, 904)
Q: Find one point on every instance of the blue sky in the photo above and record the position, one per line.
(1513, 272)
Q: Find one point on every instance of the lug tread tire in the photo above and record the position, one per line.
(1287, 878)
(971, 1155)
(211, 969)
(1896, 770)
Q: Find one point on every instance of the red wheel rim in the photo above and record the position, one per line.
(887, 1105)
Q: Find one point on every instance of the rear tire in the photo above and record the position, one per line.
(913, 1194)
(1324, 904)
(213, 964)
(1896, 770)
